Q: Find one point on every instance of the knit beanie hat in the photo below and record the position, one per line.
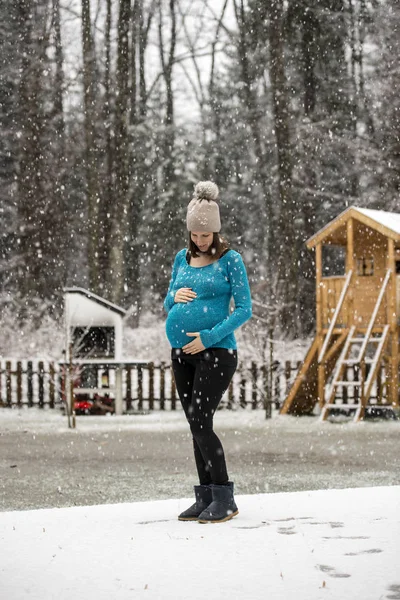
(203, 211)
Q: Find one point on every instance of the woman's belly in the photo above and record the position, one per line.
(184, 318)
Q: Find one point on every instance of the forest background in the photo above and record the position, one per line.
(111, 111)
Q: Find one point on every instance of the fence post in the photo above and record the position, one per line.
(151, 386)
(267, 391)
(359, 375)
(345, 392)
(29, 372)
(140, 386)
(8, 383)
(41, 384)
(379, 385)
(128, 389)
(230, 395)
(277, 391)
(61, 395)
(254, 385)
(162, 386)
(288, 375)
(173, 391)
(52, 387)
(271, 373)
(19, 384)
(242, 391)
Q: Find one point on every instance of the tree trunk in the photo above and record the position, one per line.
(9, 143)
(287, 253)
(90, 155)
(167, 69)
(122, 155)
(308, 48)
(106, 206)
(58, 246)
(142, 70)
(263, 178)
(31, 191)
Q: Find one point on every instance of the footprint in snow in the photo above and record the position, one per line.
(287, 530)
(333, 524)
(255, 526)
(291, 519)
(345, 537)
(394, 592)
(155, 521)
(370, 551)
(331, 571)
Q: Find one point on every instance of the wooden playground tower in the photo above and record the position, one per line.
(357, 319)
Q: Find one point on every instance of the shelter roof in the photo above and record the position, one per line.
(386, 223)
(96, 298)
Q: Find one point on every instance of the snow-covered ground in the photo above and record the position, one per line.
(54, 421)
(338, 544)
(329, 544)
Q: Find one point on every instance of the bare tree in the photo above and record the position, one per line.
(287, 249)
(91, 153)
(12, 49)
(167, 58)
(122, 154)
(249, 74)
(34, 203)
(145, 15)
(106, 204)
(59, 152)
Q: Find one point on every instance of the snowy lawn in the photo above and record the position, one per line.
(332, 544)
(36, 420)
(136, 458)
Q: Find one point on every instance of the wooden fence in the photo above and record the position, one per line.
(146, 386)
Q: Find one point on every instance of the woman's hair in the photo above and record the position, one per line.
(218, 247)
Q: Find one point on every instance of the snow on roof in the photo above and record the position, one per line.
(387, 219)
(390, 221)
(96, 298)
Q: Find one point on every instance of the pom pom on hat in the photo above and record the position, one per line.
(206, 190)
(203, 210)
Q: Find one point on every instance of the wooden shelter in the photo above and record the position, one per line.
(93, 325)
(93, 341)
(356, 348)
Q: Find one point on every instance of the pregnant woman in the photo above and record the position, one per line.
(200, 329)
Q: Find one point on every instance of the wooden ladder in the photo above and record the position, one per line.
(364, 385)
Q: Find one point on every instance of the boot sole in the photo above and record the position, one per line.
(228, 518)
(188, 518)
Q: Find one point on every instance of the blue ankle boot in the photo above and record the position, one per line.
(203, 497)
(222, 507)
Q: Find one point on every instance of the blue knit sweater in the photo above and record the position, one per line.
(215, 284)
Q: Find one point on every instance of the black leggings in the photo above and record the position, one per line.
(201, 381)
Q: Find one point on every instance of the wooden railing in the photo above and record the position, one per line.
(331, 292)
(335, 316)
(374, 315)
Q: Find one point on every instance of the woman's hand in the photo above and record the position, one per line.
(195, 346)
(185, 295)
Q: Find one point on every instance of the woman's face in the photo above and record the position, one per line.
(202, 240)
